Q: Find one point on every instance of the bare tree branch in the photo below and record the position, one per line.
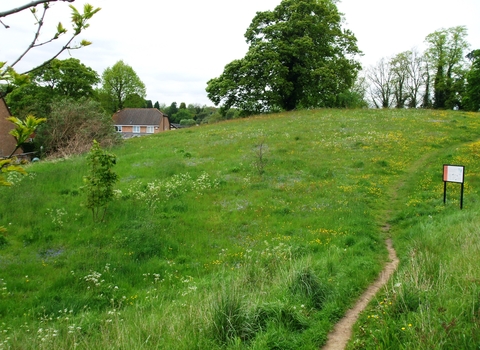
(381, 83)
(79, 23)
(27, 6)
(65, 47)
(5, 25)
(40, 25)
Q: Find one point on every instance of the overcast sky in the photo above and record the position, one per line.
(176, 46)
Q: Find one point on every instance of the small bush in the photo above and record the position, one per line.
(187, 122)
(100, 180)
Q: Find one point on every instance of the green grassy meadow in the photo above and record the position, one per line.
(254, 233)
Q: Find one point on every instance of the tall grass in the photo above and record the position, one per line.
(201, 250)
(433, 301)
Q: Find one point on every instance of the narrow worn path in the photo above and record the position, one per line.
(341, 334)
(338, 338)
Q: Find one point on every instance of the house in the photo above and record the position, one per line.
(7, 141)
(132, 122)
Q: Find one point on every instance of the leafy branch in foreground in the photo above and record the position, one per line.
(24, 129)
(99, 183)
(78, 20)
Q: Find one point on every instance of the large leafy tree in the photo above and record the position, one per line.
(67, 78)
(472, 92)
(120, 82)
(57, 79)
(29, 98)
(445, 55)
(299, 56)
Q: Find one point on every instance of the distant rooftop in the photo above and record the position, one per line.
(138, 116)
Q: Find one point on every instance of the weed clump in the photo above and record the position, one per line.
(307, 285)
(231, 320)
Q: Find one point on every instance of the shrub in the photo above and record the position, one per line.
(187, 122)
(99, 183)
(73, 125)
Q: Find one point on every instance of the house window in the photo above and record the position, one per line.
(149, 129)
(136, 129)
(118, 128)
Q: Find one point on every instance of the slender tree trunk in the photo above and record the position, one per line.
(439, 86)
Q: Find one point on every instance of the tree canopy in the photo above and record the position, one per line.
(445, 54)
(120, 82)
(57, 79)
(471, 99)
(299, 57)
(69, 78)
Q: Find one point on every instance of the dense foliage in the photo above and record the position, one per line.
(67, 78)
(471, 99)
(445, 54)
(299, 57)
(121, 85)
(59, 79)
(99, 181)
(72, 126)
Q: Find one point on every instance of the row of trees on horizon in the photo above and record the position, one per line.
(445, 76)
(299, 57)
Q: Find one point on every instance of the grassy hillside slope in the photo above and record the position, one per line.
(251, 234)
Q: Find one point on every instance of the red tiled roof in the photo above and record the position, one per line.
(138, 116)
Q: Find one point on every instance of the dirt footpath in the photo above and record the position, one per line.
(338, 338)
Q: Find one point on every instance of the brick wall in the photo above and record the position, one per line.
(7, 142)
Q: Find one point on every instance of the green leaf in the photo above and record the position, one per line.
(60, 28)
(85, 43)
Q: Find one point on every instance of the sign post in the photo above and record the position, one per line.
(453, 173)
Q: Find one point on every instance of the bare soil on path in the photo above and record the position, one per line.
(338, 338)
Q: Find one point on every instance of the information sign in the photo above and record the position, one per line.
(453, 173)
